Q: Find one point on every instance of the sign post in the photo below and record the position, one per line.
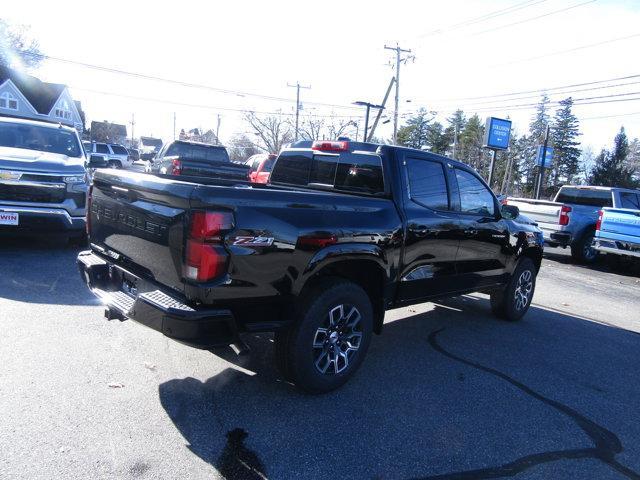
(545, 154)
(497, 133)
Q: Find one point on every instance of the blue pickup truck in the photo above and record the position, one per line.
(618, 229)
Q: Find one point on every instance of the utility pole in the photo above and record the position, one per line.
(218, 131)
(174, 125)
(455, 140)
(366, 117)
(542, 162)
(133, 124)
(384, 102)
(297, 86)
(398, 51)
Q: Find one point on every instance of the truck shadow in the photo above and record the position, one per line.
(41, 270)
(450, 393)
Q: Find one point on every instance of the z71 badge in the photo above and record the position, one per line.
(253, 241)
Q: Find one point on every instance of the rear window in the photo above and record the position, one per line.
(584, 196)
(118, 150)
(102, 148)
(353, 172)
(198, 152)
(630, 200)
(268, 165)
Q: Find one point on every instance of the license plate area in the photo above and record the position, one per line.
(9, 218)
(129, 284)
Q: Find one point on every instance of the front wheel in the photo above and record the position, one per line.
(512, 302)
(329, 338)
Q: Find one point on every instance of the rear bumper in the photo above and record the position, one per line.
(617, 248)
(42, 219)
(555, 237)
(198, 327)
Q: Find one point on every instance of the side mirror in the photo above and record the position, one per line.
(510, 212)
(97, 161)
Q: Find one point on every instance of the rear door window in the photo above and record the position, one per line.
(585, 196)
(630, 200)
(117, 149)
(102, 148)
(427, 183)
(323, 169)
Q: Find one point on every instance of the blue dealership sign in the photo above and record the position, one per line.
(548, 158)
(497, 133)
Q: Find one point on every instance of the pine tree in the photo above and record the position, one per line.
(633, 159)
(537, 130)
(564, 134)
(415, 133)
(471, 143)
(438, 140)
(456, 122)
(610, 169)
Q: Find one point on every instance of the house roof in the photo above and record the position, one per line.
(151, 142)
(41, 95)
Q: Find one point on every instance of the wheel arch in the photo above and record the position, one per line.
(366, 271)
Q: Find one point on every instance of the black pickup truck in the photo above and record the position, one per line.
(343, 232)
(182, 157)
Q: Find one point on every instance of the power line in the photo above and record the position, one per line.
(176, 82)
(204, 107)
(544, 92)
(531, 19)
(562, 52)
(610, 116)
(483, 18)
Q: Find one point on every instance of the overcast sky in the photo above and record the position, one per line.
(257, 47)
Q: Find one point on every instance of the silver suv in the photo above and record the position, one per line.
(117, 155)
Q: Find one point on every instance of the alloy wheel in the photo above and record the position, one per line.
(337, 341)
(524, 289)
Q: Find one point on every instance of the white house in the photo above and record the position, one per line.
(25, 96)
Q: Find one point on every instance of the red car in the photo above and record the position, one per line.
(260, 166)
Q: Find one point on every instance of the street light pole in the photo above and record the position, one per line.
(368, 106)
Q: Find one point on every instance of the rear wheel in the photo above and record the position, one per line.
(583, 250)
(329, 338)
(114, 164)
(512, 302)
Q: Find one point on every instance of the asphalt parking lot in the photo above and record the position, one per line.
(446, 392)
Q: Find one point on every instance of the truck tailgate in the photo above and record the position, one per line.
(620, 224)
(138, 221)
(544, 213)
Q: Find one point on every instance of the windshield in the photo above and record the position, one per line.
(43, 139)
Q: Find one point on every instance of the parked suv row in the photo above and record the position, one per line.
(117, 156)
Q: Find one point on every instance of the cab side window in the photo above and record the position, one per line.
(427, 184)
(475, 198)
(630, 200)
(102, 148)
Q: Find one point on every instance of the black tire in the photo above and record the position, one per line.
(512, 302)
(331, 331)
(114, 164)
(583, 251)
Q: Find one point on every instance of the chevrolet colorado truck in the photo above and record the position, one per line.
(43, 179)
(570, 219)
(342, 232)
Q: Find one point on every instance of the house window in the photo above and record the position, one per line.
(63, 111)
(8, 101)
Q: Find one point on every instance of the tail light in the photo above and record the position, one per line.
(328, 146)
(564, 215)
(176, 166)
(87, 223)
(206, 257)
(599, 222)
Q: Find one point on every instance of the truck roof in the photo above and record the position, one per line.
(596, 187)
(25, 121)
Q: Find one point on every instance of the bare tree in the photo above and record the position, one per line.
(241, 147)
(272, 131)
(316, 128)
(16, 45)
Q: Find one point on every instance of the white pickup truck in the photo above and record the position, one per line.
(570, 219)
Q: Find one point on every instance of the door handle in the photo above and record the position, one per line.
(470, 232)
(419, 230)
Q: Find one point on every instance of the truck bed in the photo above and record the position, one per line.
(619, 232)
